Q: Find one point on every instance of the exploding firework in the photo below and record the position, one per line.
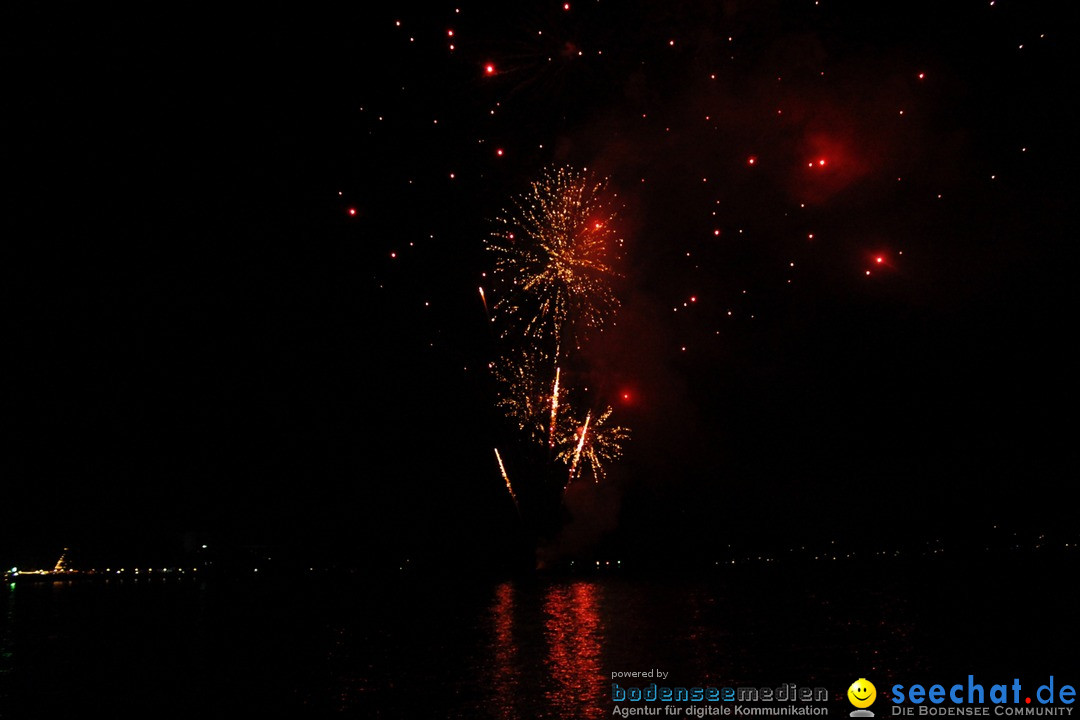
(553, 259)
(553, 283)
(592, 443)
(530, 395)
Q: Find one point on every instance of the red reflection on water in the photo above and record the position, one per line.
(551, 669)
(574, 637)
(506, 672)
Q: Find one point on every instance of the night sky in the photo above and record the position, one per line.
(242, 256)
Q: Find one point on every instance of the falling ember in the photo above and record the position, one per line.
(483, 301)
(506, 478)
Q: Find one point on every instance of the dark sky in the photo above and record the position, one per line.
(201, 337)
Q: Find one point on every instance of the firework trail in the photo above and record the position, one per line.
(577, 450)
(506, 479)
(483, 300)
(554, 411)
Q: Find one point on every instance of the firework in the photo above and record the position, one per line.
(553, 257)
(506, 478)
(582, 433)
(593, 443)
(530, 396)
(553, 275)
(554, 410)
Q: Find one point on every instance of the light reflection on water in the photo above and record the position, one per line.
(574, 635)
(7, 634)
(505, 664)
(551, 668)
(534, 648)
(549, 649)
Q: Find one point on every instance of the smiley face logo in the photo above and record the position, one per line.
(862, 693)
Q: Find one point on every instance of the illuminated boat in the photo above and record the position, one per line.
(59, 571)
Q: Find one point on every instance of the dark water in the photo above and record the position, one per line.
(534, 648)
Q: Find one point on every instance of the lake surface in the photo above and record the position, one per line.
(541, 647)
